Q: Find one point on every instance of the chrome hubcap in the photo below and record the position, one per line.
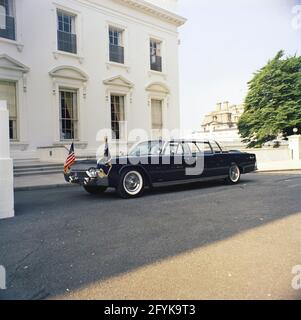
(132, 182)
(234, 173)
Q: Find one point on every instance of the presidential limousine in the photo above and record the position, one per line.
(161, 163)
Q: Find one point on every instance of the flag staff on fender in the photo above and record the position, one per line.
(70, 159)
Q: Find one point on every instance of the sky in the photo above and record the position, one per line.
(223, 43)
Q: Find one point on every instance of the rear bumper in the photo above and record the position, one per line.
(82, 178)
(250, 168)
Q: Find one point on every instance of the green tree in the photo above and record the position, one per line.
(273, 102)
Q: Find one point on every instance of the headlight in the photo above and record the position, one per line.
(92, 173)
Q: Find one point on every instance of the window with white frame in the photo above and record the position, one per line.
(8, 93)
(157, 117)
(117, 116)
(7, 20)
(66, 33)
(68, 114)
(155, 55)
(116, 45)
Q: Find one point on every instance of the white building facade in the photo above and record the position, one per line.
(69, 68)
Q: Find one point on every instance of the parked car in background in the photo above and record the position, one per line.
(158, 163)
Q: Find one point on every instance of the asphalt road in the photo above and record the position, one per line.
(207, 240)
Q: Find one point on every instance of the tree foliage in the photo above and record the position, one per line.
(273, 102)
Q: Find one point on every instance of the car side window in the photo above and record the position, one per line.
(174, 148)
(215, 147)
(193, 148)
(147, 148)
(204, 147)
(187, 149)
(156, 149)
(142, 149)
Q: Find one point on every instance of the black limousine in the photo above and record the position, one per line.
(161, 163)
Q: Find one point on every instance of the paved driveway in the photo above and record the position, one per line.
(206, 240)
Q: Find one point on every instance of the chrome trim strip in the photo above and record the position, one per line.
(187, 181)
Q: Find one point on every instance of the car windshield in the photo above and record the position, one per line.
(147, 148)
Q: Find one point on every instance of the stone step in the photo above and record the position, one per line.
(34, 173)
(34, 167)
(16, 161)
(38, 170)
(30, 167)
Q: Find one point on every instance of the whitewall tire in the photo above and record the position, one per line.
(131, 184)
(234, 174)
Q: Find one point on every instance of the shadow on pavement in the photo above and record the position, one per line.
(63, 239)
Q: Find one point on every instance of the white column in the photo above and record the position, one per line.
(6, 167)
(295, 146)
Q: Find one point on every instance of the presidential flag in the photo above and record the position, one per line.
(70, 159)
(107, 154)
(106, 165)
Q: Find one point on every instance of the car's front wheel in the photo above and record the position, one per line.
(234, 174)
(131, 184)
(95, 189)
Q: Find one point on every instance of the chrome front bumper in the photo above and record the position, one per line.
(82, 178)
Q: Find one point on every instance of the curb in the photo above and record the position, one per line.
(278, 170)
(44, 187)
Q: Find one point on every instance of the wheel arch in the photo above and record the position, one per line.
(237, 164)
(140, 169)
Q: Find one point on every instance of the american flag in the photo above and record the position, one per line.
(70, 159)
